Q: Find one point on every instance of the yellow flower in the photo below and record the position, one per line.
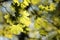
(9, 31)
(16, 29)
(8, 34)
(7, 16)
(25, 20)
(27, 29)
(41, 7)
(25, 3)
(47, 8)
(42, 23)
(8, 20)
(23, 6)
(24, 13)
(52, 7)
(37, 23)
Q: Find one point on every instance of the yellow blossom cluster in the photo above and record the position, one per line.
(25, 19)
(51, 7)
(9, 31)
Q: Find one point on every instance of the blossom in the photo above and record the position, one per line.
(41, 7)
(24, 13)
(25, 20)
(8, 20)
(25, 3)
(16, 29)
(52, 7)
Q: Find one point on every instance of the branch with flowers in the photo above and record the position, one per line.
(45, 20)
